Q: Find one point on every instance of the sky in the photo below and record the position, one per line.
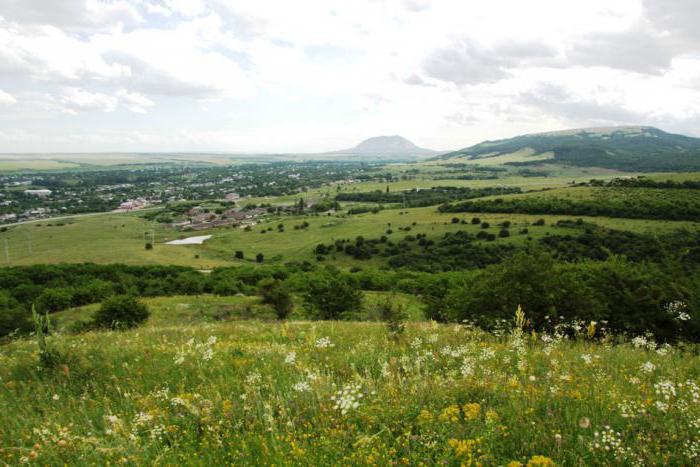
(279, 76)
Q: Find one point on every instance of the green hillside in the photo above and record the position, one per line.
(643, 149)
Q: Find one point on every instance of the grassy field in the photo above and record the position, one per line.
(113, 238)
(186, 391)
(9, 165)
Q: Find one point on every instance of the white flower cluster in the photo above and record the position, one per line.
(467, 368)
(631, 409)
(347, 398)
(291, 358)
(678, 310)
(610, 441)
(302, 386)
(647, 367)
(204, 350)
(324, 342)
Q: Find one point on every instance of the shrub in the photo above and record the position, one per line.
(239, 254)
(259, 258)
(13, 318)
(504, 233)
(485, 225)
(149, 246)
(476, 221)
(52, 300)
(330, 296)
(274, 293)
(121, 312)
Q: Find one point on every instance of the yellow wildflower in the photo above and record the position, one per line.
(424, 416)
(450, 414)
(471, 411)
(540, 461)
(465, 449)
(491, 416)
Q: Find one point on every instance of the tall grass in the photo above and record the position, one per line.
(322, 393)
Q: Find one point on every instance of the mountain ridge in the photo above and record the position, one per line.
(635, 148)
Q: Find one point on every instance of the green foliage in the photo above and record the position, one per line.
(274, 292)
(52, 300)
(13, 318)
(393, 315)
(641, 203)
(330, 296)
(121, 312)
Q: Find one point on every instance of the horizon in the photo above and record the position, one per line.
(216, 76)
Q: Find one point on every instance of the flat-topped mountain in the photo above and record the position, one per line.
(634, 148)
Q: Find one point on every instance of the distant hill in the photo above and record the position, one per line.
(631, 148)
(388, 146)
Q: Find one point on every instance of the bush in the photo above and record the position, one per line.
(274, 293)
(13, 318)
(476, 221)
(259, 258)
(149, 246)
(504, 233)
(239, 254)
(330, 296)
(485, 225)
(121, 312)
(52, 300)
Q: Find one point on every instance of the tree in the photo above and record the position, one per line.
(274, 292)
(52, 300)
(121, 312)
(13, 318)
(330, 296)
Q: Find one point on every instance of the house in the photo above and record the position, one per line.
(41, 193)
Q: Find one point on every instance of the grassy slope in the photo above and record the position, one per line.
(229, 393)
(119, 237)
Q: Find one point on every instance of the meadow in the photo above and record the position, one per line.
(109, 238)
(192, 389)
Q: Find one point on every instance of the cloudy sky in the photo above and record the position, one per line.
(315, 75)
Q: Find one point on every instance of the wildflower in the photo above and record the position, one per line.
(584, 422)
(467, 368)
(471, 411)
(347, 398)
(540, 461)
(491, 416)
(450, 414)
(324, 342)
(291, 358)
(465, 449)
(647, 367)
(425, 416)
(56, 397)
(587, 359)
(302, 386)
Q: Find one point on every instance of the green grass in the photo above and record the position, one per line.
(34, 164)
(110, 238)
(190, 392)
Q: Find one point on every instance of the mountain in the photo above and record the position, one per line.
(631, 148)
(388, 146)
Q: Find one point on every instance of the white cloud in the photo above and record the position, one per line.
(6, 99)
(321, 74)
